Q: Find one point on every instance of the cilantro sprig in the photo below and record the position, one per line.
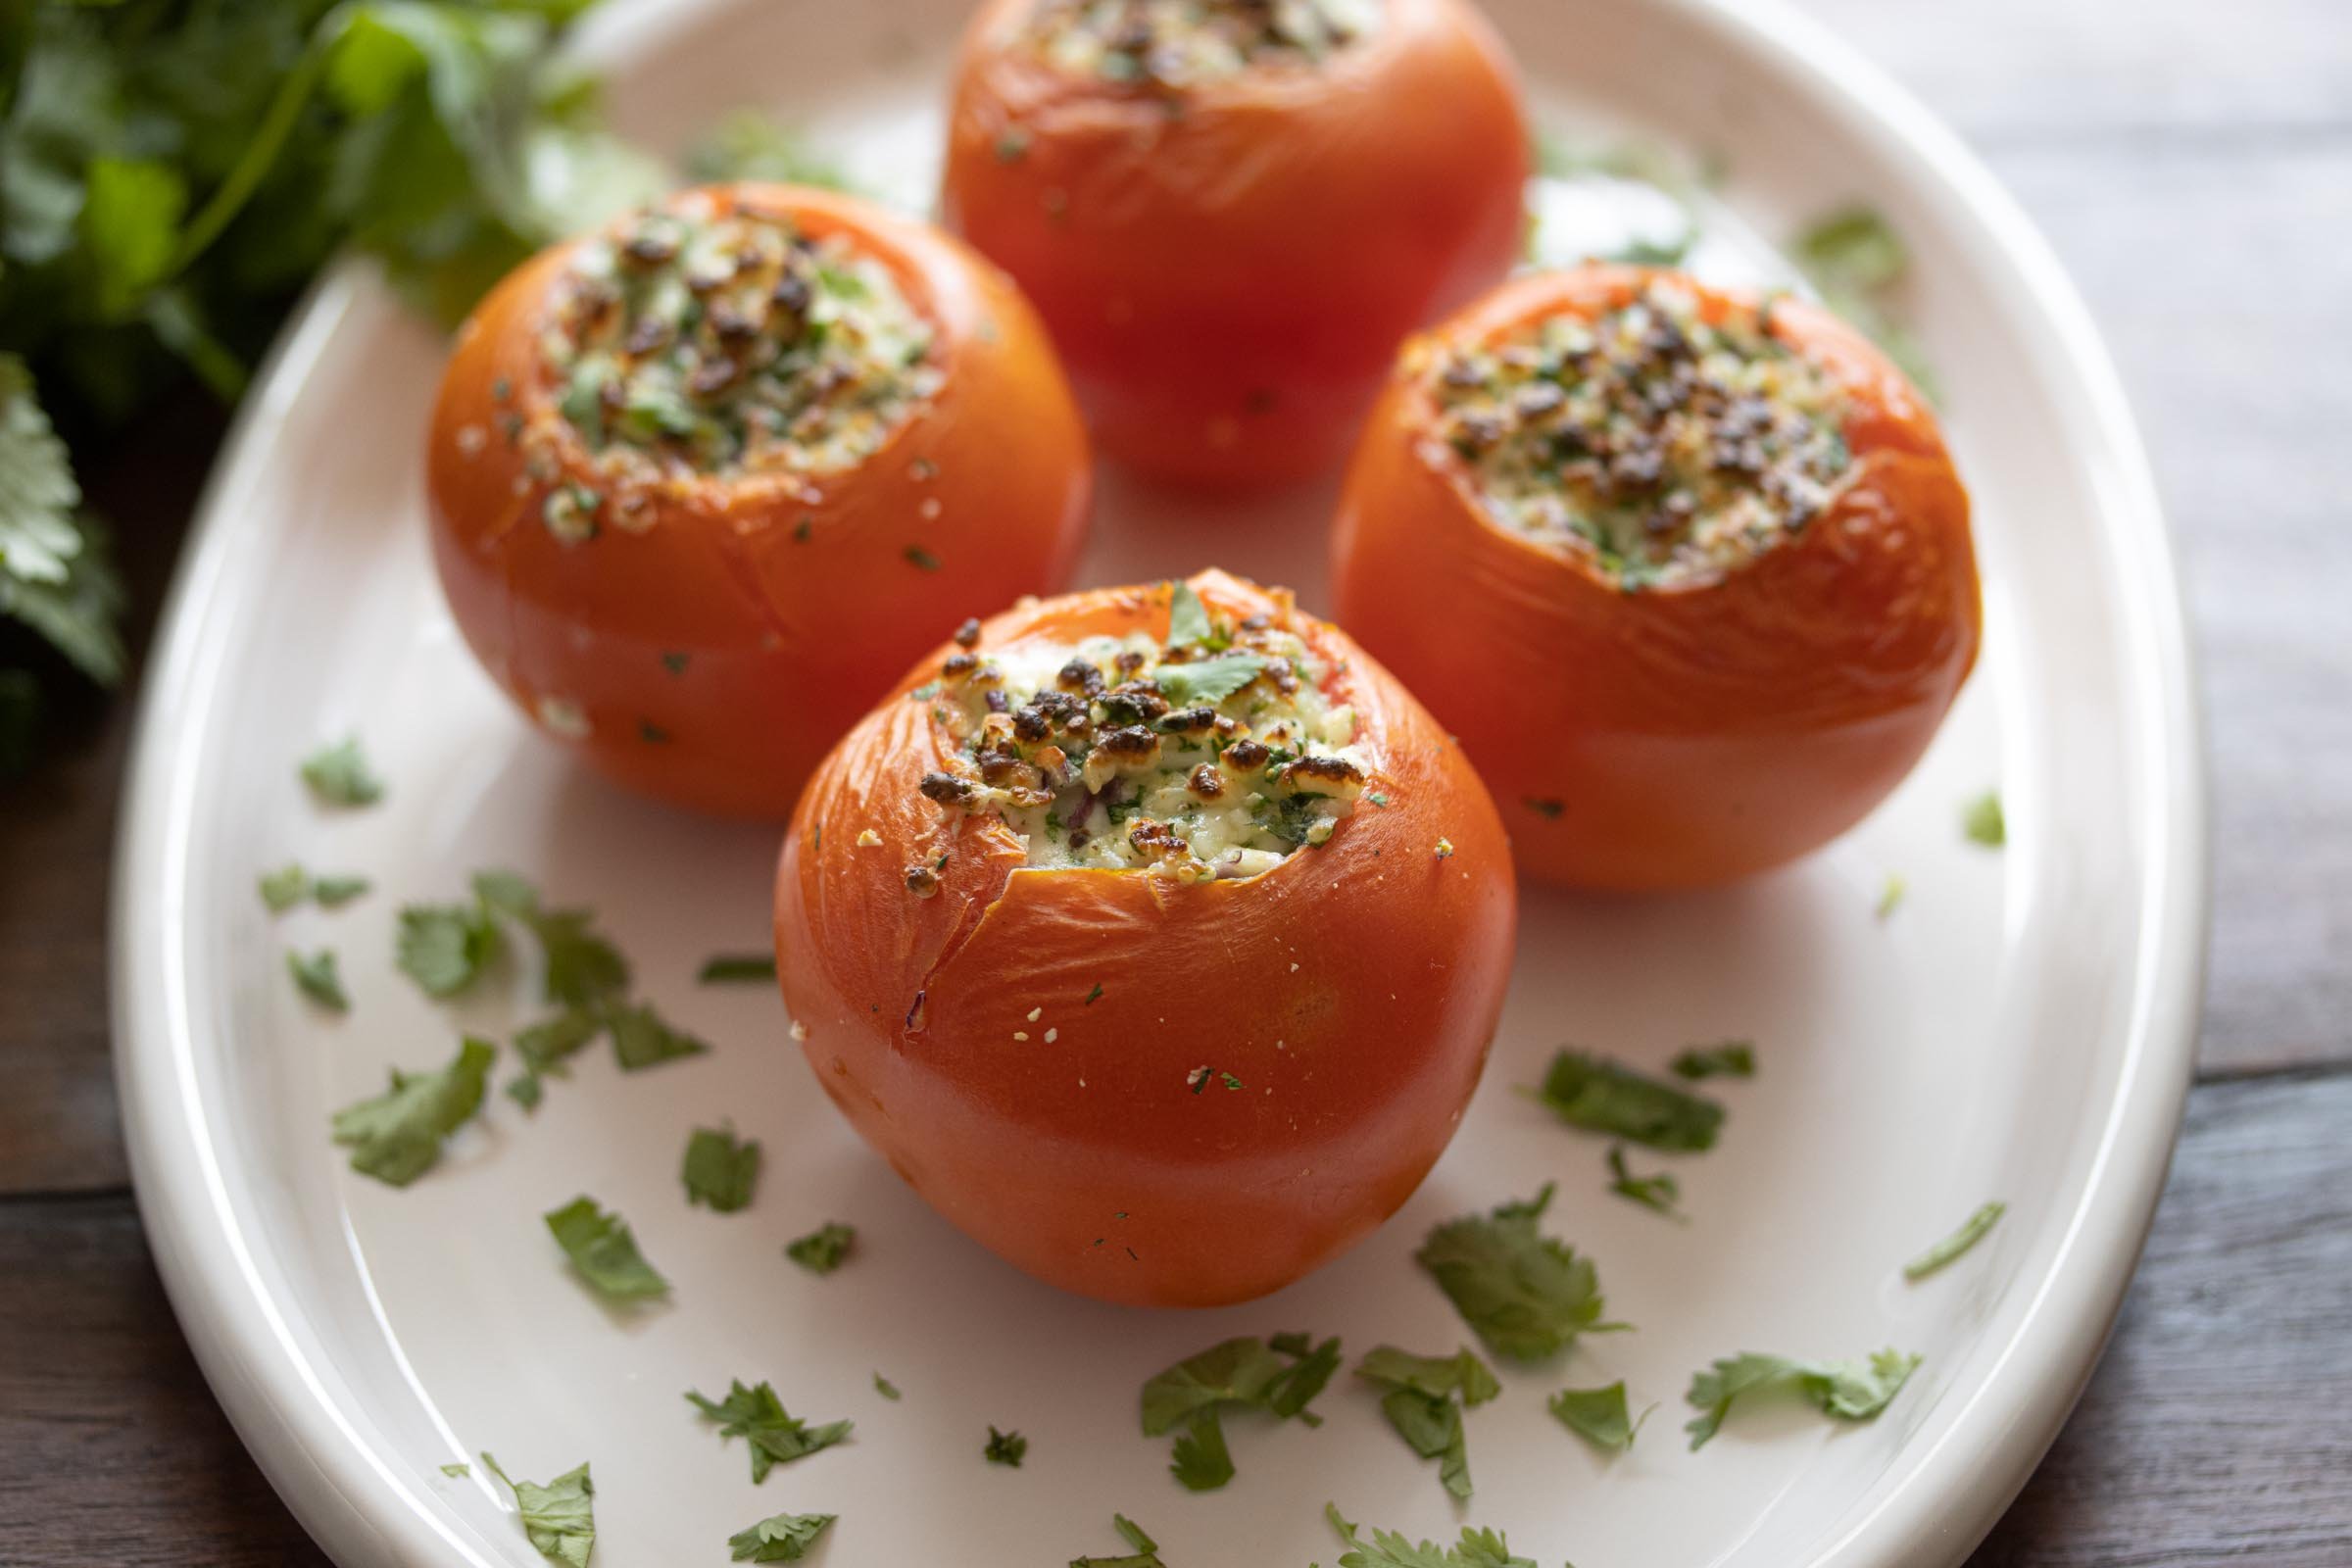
(1599, 1096)
(1850, 1391)
(1424, 1397)
(558, 1518)
(825, 1248)
(1600, 1416)
(1281, 1376)
(774, 1435)
(1527, 1296)
(1144, 1555)
(397, 1135)
(1478, 1548)
(604, 1251)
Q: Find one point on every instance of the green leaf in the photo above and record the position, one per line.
(445, 946)
(747, 144)
(1479, 1548)
(581, 966)
(397, 1135)
(727, 968)
(721, 1168)
(603, 1253)
(1005, 1449)
(1420, 1403)
(130, 230)
(1733, 1059)
(317, 978)
(887, 1389)
(1661, 1191)
(1972, 1230)
(335, 891)
(1984, 822)
(1599, 1096)
(1208, 680)
(1188, 618)
(57, 572)
(1200, 1460)
(1600, 1416)
(823, 1250)
(1281, 1377)
(1891, 895)
(640, 1039)
(457, 1472)
(559, 1517)
(1523, 1293)
(779, 1538)
(774, 1433)
(547, 1046)
(284, 888)
(1850, 1390)
(339, 775)
(1144, 1555)
(1236, 1371)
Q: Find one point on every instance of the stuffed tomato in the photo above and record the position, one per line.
(1155, 935)
(1230, 213)
(703, 483)
(1689, 570)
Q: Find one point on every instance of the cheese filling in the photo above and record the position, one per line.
(1659, 448)
(1215, 758)
(1179, 42)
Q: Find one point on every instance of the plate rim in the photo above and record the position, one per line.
(363, 1512)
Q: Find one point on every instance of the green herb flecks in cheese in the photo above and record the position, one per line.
(1178, 43)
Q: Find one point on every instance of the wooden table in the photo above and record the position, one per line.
(2192, 161)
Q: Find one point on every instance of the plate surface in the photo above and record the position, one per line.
(2020, 1028)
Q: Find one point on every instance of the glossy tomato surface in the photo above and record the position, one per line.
(1684, 735)
(1228, 267)
(1026, 1047)
(710, 655)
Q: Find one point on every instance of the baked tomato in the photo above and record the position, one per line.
(1154, 935)
(1687, 570)
(1228, 212)
(704, 482)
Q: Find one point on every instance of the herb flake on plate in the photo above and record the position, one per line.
(1420, 1401)
(1144, 1555)
(1732, 1058)
(1972, 1230)
(887, 1389)
(1984, 822)
(1479, 1548)
(445, 946)
(1004, 1448)
(317, 978)
(1281, 1376)
(546, 1048)
(720, 1169)
(732, 968)
(1599, 1096)
(825, 1248)
(604, 1251)
(1527, 1296)
(1661, 1192)
(397, 1135)
(774, 1433)
(1600, 1416)
(1850, 1390)
(642, 1039)
(779, 1538)
(340, 776)
(559, 1517)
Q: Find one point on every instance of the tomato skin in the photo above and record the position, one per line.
(1688, 736)
(784, 639)
(1227, 285)
(1352, 992)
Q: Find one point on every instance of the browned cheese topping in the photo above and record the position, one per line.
(1177, 43)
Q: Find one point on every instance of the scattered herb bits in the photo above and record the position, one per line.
(1661, 1191)
(458, 1471)
(558, 1518)
(1146, 1552)
(1479, 1548)
(779, 1538)
(316, 977)
(546, 1048)
(397, 1135)
(642, 1039)
(721, 1168)
(291, 884)
(1733, 1059)
(1984, 821)
(1424, 1397)
(887, 1389)
(774, 1433)
(445, 946)
(1850, 1390)
(1891, 895)
(1281, 1376)
(1005, 1447)
(340, 776)
(603, 1253)
(825, 1248)
(1600, 1097)
(1600, 1416)
(729, 969)
(1972, 1230)
(1526, 1295)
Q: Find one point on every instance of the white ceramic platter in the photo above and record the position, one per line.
(2020, 1028)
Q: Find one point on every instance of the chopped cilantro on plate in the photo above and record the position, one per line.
(1424, 1397)
(1281, 1376)
(1526, 1295)
(774, 1433)
(1600, 1416)
(1661, 1191)
(603, 1251)
(397, 1135)
(642, 1039)
(1599, 1096)
(1984, 822)
(779, 1538)
(728, 969)
(823, 1250)
(721, 1168)
(316, 977)
(341, 775)
(1144, 1555)
(1850, 1390)
(559, 1517)
(1732, 1058)
(1972, 1230)
(445, 946)
(1479, 1548)
(1004, 1448)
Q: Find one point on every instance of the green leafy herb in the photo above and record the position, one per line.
(582, 968)
(457, 1472)
(334, 892)
(1850, 1390)
(727, 968)
(1144, 1555)
(640, 1039)
(1281, 1377)
(774, 1433)
(1599, 1096)
(445, 946)
(1526, 1295)
(823, 1250)
(603, 1251)
(1600, 1416)
(1661, 1191)
(1479, 1548)
(339, 775)
(547, 1046)
(1972, 1230)
(1891, 895)
(1207, 680)
(885, 1387)
(721, 1168)
(317, 978)
(284, 888)
(1420, 1402)
(397, 1135)
(1984, 822)
(1200, 1460)
(779, 1538)
(1188, 618)
(559, 1517)
(1733, 1059)
(1858, 264)
(1005, 1447)
(749, 145)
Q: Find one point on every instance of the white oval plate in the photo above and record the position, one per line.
(2020, 1028)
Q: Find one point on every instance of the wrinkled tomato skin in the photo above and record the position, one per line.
(1684, 736)
(719, 652)
(1227, 283)
(1023, 1046)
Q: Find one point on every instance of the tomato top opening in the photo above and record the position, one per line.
(1178, 43)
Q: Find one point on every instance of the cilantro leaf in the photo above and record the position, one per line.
(1281, 1377)
(57, 572)
(1144, 1555)
(779, 1538)
(774, 1433)
(1420, 1403)
(1891, 895)
(1850, 1390)
(458, 1471)
(887, 1389)
(1984, 820)
(1972, 1230)
(1600, 1416)
(721, 1168)
(1523, 1293)
(546, 1047)
(317, 978)
(284, 888)
(1209, 680)
(559, 1517)
(823, 1250)
(1479, 1548)
(1200, 1460)
(1733, 1059)
(340, 776)
(445, 946)
(603, 1251)
(1237, 1371)
(640, 1039)
(727, 968)
(397, 1135)
(332, 892)
(1599, 1096)
(582, 968)
(1661, 1191)
(1188, 618)
(1004, 1448)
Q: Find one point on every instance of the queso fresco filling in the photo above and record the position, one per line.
(1213, 754)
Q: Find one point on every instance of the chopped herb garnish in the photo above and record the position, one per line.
(917, 555)
(1661, 1191)
(1094, 995)
(546, 1047)
(316, 977)
(1526, 1295)
(1733, 1059)
(640, 1039)
(885, 1387)
(1005, 1447)
(339, 775)
(1599, 1095)
(1281, 1377)
(1188, 618)
(457, 1472)
(603, 1251)
(779, 1538)
(1891, 895)
(1420, 1402)
(1850, 1390)
(582, 968)
(1144, 1555)
(1600, 1416)
(334, 892)
(1479, 1548)
(397, 1135)
(721, 1168)
(1972, 1230)
(823, 1250)
(445, 946)
(1208, 680)
(727, 968)
(284, 888)
(558, 1518)
(1984, 822)
(775, 1434)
